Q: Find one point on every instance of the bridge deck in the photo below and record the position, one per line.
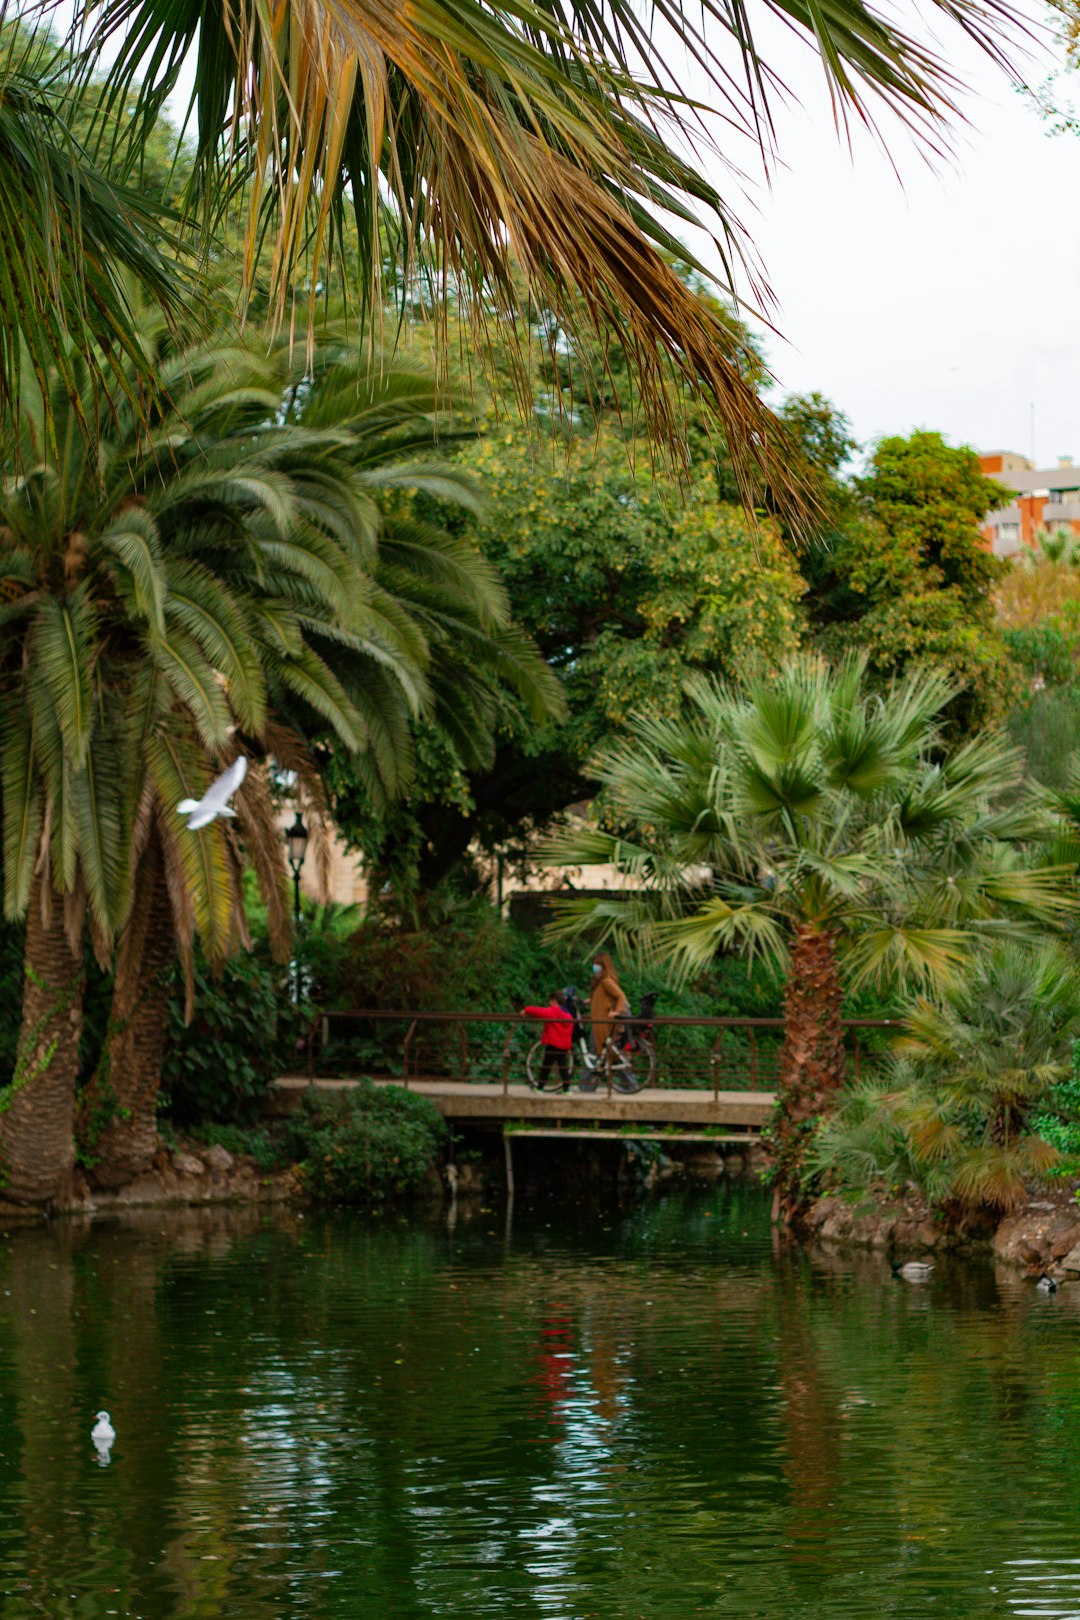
(463, 1100)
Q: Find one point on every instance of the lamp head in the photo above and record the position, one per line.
(296, 842)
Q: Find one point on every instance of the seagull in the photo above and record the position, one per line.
(215, 801)
(103, 1434)
(915, 1271)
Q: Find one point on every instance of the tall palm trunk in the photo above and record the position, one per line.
(812, 1063)
(118, 1123)
(37, 1109)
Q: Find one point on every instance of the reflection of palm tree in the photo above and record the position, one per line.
(120, 1274)
(53, 1422)
(812, 1439)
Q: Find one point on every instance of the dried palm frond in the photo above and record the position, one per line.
(519, 159)
(257, 819)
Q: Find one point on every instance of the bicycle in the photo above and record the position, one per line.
(627, 1057)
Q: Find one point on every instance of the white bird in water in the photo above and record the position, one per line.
(215, 801)
(103, 1434)
(916, 1271)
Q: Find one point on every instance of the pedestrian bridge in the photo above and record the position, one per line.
(714, 1077)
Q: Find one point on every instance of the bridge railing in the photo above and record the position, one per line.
(714, 1054)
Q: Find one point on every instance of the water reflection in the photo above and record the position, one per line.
(644, 1412)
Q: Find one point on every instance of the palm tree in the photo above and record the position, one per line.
(130, 659)
(514, 159)
(1055, 546)
(955, 1114)
(206, 580)
(808, 819)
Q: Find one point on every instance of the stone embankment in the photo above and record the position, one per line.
(1042, 1236)
(191, 1174)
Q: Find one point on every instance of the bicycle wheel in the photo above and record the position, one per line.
(534, 1068)
(533, 1060)
(632, 1070)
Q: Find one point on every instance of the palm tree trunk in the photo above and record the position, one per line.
(37, 1151)
(812, 1063)
(118, 1119)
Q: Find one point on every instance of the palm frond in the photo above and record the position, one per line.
(70, 240)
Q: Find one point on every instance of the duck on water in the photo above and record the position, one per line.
(913, 1271)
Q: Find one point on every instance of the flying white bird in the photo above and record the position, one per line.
(103, 1434)
(215, 801)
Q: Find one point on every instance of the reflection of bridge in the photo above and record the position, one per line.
(713, 1075)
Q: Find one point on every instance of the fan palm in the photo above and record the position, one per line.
(519, 157)
(811, 820)
(970, 1070)
(202, 582)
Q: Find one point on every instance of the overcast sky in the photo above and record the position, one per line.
(950, 300)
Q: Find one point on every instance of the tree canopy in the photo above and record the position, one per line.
(905, 575)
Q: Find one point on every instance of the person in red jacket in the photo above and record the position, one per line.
(556, 1037)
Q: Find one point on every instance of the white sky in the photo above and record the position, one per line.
(947, 299)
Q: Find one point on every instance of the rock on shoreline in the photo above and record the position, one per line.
(189, 1174)
(1042, 1236)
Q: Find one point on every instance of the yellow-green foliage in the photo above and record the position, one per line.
(628, 581)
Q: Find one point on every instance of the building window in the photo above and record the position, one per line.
(1006, 538)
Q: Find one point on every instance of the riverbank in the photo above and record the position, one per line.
(186, 1176)
(1041, 1236)
(192, 1174)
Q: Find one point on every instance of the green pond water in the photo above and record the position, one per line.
(584, 1410)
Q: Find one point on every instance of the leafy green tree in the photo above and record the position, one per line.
(1038, 610)
(956, 1113)
(627, 584)
(805, 818)
(906, 576)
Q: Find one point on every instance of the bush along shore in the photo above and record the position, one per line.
(378, 1147)
(370, 1146)
(971, 1132)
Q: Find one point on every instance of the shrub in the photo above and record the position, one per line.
(961, 1110)
(221, 1066)
(365, 1145)
(246, 1141)
(1059, 1123)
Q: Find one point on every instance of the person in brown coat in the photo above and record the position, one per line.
(607, 1001)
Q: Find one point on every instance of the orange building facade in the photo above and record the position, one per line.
(1046, 498)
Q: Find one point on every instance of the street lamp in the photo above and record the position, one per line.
(296, 842)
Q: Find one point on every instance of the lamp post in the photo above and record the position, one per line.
(296, 842)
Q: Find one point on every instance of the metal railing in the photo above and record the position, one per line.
(706, 1054)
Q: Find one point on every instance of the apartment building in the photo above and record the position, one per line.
(1046, 498)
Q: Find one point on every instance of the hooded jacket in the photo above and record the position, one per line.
(558, 1030)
